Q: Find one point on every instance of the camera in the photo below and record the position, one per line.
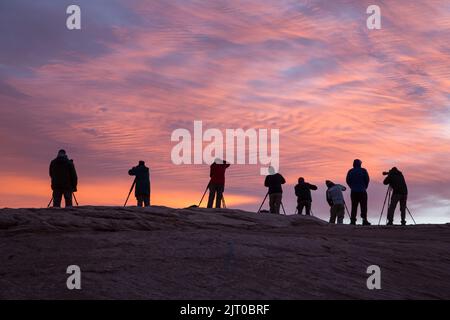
(385, 173)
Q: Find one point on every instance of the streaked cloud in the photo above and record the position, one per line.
(112, 93)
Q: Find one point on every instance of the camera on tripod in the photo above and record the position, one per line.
(385, 173)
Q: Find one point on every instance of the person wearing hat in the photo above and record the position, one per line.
(64, 179)
(142, 188)
(397, 183)
(335, 199)
(303, 193)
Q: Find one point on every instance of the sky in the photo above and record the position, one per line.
(113, 92)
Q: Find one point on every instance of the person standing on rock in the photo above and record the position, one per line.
(303, 193)
(358, 181)
(335, 199)
(274, 181)
(397, 183)
(216, 185)
(142, 188)
(64, 179)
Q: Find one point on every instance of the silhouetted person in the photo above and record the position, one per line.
(335, 199)
(396, 181)
(358, 181)
(303, 193)
(64, 179)
(216, 185)
(274, 181)
(142, 188)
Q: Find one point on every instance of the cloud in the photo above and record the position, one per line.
(114, 92)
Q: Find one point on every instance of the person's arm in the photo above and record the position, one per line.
(349, 178)
(50, 170)
(387, 180)
(266, 182)
(329, 199)
(312, 187)
(342, 187)
(283, 181)
(73, 176)
(366, 175)
(297, 191)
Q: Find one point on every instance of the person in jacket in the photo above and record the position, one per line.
(64, 179)
(142, 180)
(274, 181)
(397, 183)
(303, 193)
(216, 184)
(335, 199)
(358, 181)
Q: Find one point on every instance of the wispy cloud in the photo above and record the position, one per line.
(113, 92)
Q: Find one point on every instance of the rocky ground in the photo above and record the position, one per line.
(164, 253)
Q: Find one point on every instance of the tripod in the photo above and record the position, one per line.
(310, 211)
(74, 198)
(203, 196)
(282, 206)
(387, 199)
(346, 209)
(129, 193)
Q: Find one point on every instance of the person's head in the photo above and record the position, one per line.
(271, 170)
(394, 170)
(218, 161)
(301, 180)
(357, 163)
(141, 162)
(62, 153)
(329, 183)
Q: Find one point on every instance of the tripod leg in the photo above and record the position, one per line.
(259, 210)
(51, 200)
(384, 204)
(75, 198)
(411, 215)
(204, 193)
(223, 202)
(348, 213)
(129, 193)
(282, 206)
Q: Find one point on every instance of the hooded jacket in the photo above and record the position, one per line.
(142, 174)
(303, 191)
(358, 178)
(63, 174)
(274, 182)
(396, 181)
(217, 173)
(334, 194)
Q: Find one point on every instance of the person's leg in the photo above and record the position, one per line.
(57, 197)
(299, 207)
(391, 210)
(355, 200)
(363, 204)
(308, 208)
(272, 202)
(140, 200)
(340, 214)
(219, 189)
(278, 198)
(333, 214)
(147, 200)
(403, 200)
(212, 194)
(68, 198)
